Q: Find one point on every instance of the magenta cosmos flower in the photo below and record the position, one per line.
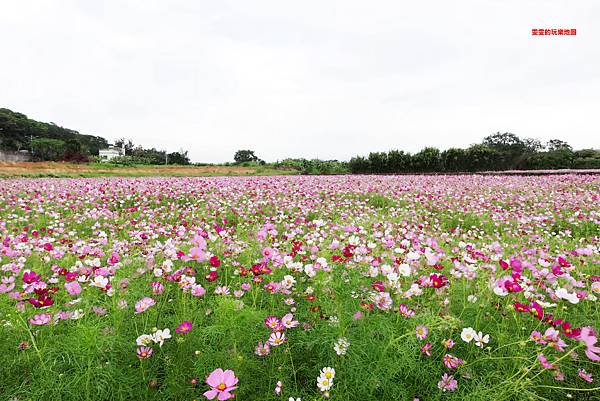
(184, 327)
(221, 383)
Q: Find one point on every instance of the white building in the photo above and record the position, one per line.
(110, 153)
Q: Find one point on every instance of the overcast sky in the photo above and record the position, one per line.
(327, 79)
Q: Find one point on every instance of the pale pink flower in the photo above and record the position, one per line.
(222, 383)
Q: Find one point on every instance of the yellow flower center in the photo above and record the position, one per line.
(222, 386)
(328, 375)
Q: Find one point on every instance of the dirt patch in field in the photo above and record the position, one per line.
(55, 168)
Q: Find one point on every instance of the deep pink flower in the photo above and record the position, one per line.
(221, 383)
(30, 277)
(184, 327)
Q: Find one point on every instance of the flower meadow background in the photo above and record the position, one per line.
(287, 288)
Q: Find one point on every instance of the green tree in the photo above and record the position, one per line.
(398, 161)
(48, 149)
(378, 162)
(127, 144)
(454, 160)
(427, 160)
(243, 156)
(180, 157)
(359, 165)
(482, 158)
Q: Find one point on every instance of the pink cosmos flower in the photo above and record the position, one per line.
(405, 311)
(143, 304)
(262, 349)
(157, 288)
(99, 310)
(589, 338)
(184, 327)
(198, 290)
(448, 383)
(144, 352)
(537, 337)
(449, 343)
(383, 300)
(278, 388)
(559, 376)
(197, 254)
(73, 288)
(288, 321)
(221, 383)
(276, 338)
(8, 283)
(585, 375)
(452, 362)
(426, 349)
(267, 253)
(544, 362)
(40, 320)
(421, 332)
(273, 323)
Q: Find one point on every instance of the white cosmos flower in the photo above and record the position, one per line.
(468, 334)
(328, 372)
(161, 335)
(404, 269)
(569, 296)
(341, 346)
(100, 282)
(324, 383)
(144, 339)
(481, 340)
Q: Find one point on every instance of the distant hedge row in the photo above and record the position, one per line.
(497, 152)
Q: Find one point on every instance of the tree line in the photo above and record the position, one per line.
(497, 152)
(50, 142)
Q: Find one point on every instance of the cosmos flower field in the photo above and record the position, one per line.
(300, 288)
